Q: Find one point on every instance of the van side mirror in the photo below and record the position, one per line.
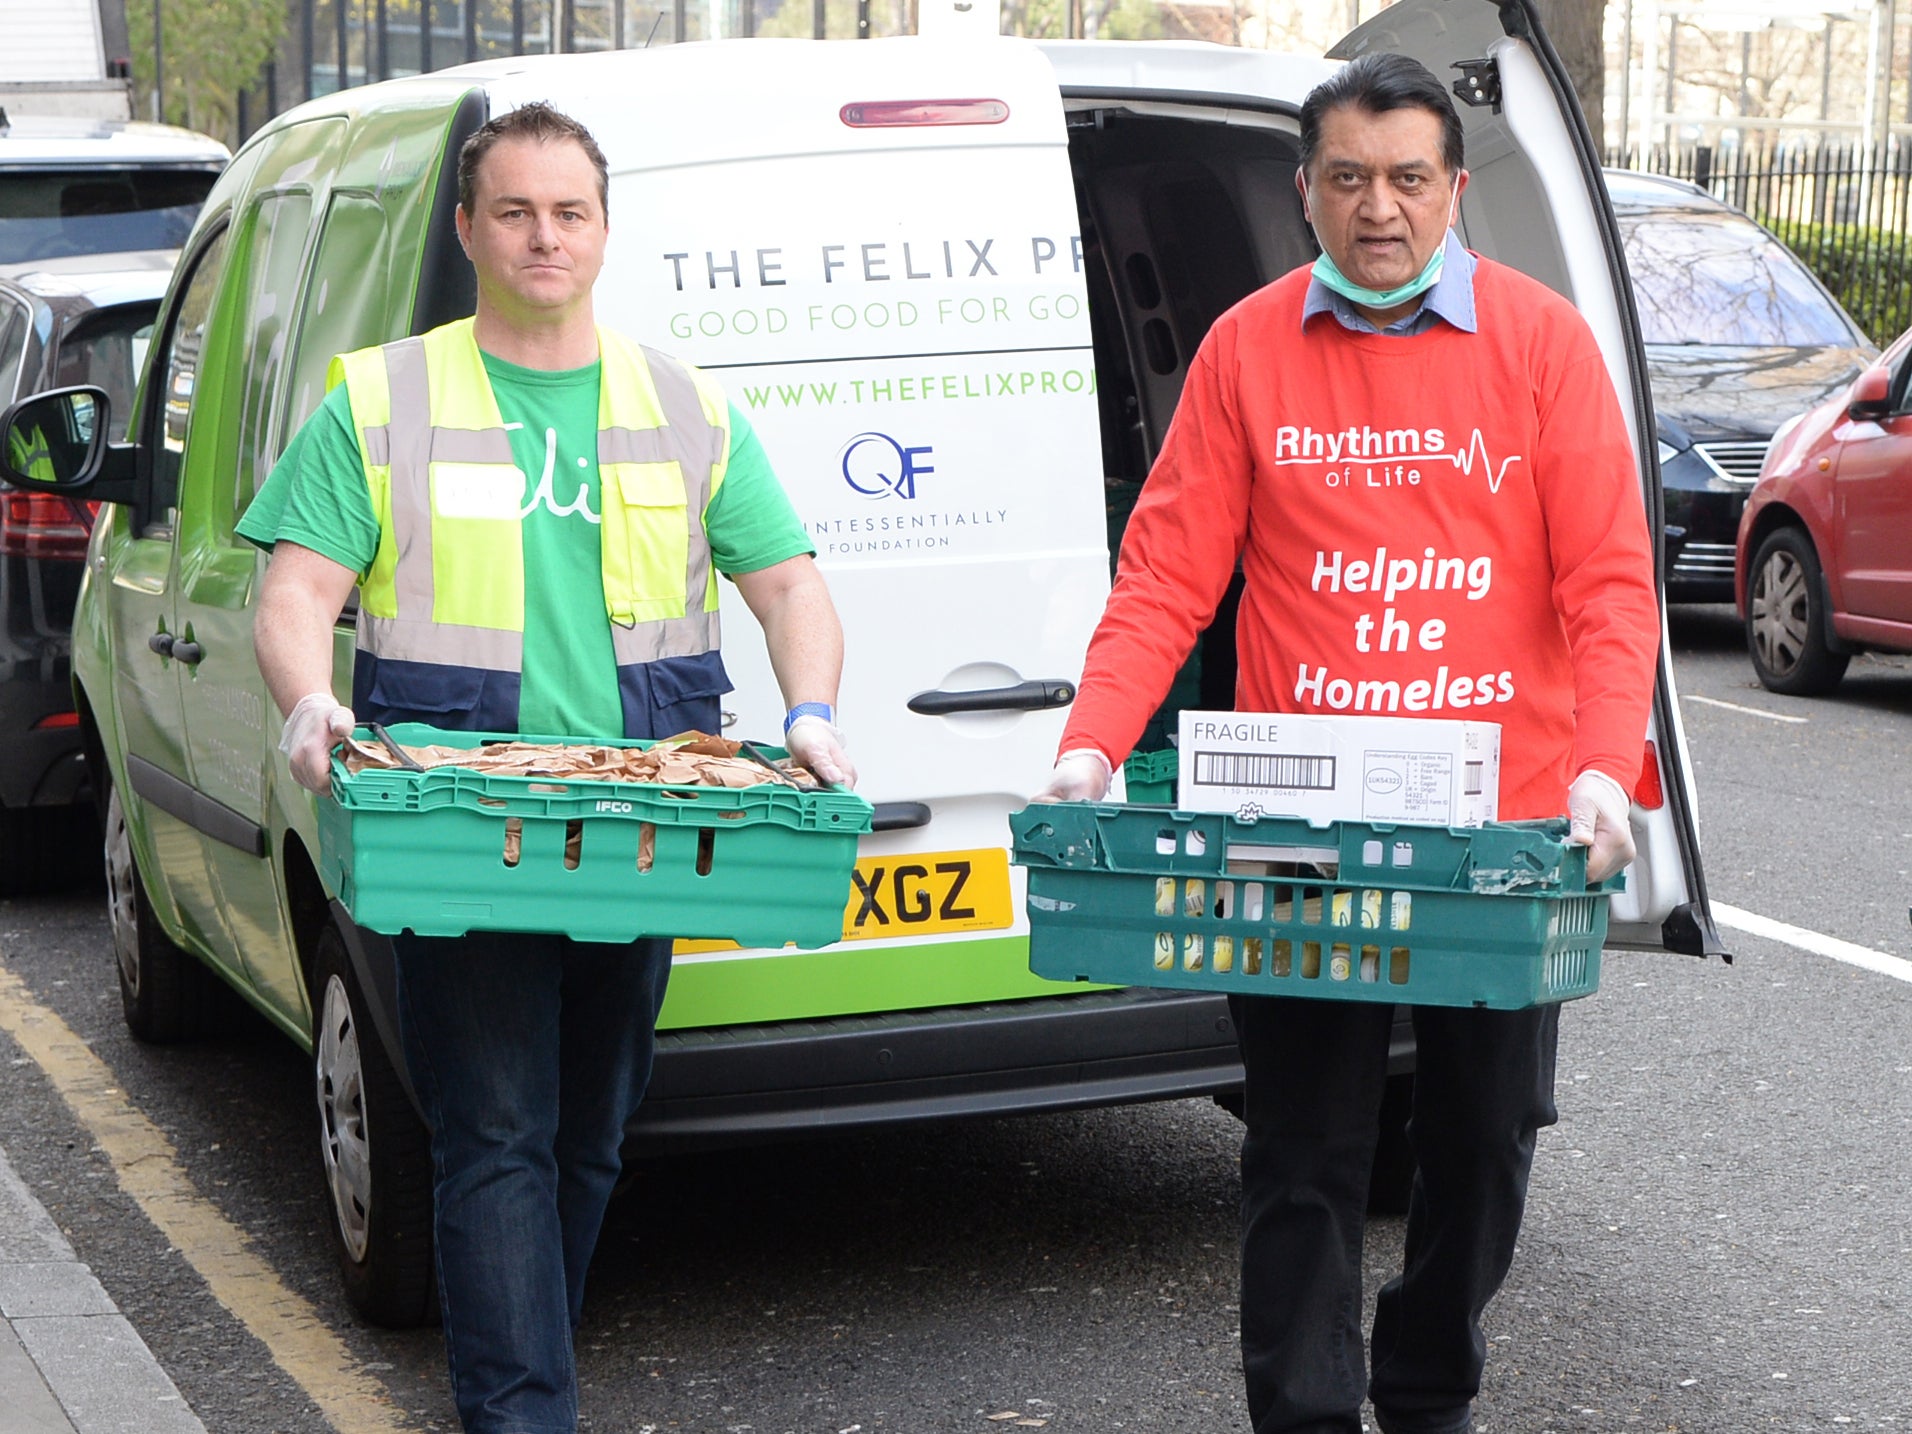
(54, 440)
(56, 443)
(1871, 396)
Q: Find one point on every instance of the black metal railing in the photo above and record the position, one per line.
(1843, 208)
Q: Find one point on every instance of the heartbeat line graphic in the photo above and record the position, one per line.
(1464, 461)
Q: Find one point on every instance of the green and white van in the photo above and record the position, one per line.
(955, 285)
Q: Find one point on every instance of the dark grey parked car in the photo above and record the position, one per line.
(1739, 337)
(56, 330)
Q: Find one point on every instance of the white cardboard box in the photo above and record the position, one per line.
(1330, 768)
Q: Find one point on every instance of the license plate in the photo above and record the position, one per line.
(921, 894)
(927, 893)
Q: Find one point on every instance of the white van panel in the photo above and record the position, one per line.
(781, 98)
(1190, 69)
(902, 316)
(1529, 112)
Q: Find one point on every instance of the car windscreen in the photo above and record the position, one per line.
(1704, 278)
(107, 349)
(53, 213)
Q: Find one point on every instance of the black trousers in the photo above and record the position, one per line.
(1316, 1071)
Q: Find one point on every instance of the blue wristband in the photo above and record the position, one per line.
(809, 709)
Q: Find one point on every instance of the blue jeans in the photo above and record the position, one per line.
(529, 1054)
(1483, 1086)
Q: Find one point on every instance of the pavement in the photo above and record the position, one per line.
(70, 1363)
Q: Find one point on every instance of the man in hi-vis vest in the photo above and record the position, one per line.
(535, 511)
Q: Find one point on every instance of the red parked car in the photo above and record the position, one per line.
(1823, 565)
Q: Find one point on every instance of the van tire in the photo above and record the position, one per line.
(1786, 618)
(167, 994)
(374, 1153)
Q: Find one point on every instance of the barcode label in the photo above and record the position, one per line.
(1264, 769)
(1473, 777)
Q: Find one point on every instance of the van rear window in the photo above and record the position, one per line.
(52, 213)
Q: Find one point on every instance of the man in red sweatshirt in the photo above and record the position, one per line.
(1416, 456)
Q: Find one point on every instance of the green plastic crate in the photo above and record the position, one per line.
(425, 852)
(1499, 916)
(1151, 777)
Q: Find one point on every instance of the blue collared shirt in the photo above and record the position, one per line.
(1451, 298)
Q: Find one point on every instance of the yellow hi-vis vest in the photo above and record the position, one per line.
(441, 610)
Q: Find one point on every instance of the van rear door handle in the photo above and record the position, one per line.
(1035, 695)
(898, 816)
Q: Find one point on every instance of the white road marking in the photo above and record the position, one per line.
(1897, 967)
(1749, 711)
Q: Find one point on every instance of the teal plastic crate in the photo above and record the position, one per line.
(426, 852)
(1500, 916)
(1151, 777)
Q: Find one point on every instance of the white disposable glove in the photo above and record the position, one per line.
(1081, 775)
(818, 745)
(312, 729)
(1597, 807)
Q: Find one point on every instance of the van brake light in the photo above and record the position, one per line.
(1648, 792)
(892, 114)
(44, 525)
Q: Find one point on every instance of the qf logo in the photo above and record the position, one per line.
(876, 465)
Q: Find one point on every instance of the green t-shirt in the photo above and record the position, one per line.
(316, 496)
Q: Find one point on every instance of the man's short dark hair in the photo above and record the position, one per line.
(538, 121)
(1378, 83)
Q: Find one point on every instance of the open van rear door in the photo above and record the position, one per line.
(1536, 201)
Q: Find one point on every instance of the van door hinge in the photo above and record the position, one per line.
(1479, 83)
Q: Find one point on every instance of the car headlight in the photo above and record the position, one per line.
(1667, 452)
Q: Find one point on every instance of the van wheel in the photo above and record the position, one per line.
(374, 1150)
(1786, 619)
(167, 994)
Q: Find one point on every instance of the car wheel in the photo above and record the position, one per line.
(375, 1152)
(1786, 619)
(167, 994)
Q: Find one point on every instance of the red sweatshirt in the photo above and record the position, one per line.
(1441, 525)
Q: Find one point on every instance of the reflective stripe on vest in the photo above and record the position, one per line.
(429, 430)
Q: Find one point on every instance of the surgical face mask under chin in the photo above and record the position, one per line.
(1329, 273)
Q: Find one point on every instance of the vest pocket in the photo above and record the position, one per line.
(678, 679)
(424, 689)
(673, 694)
(646, 539)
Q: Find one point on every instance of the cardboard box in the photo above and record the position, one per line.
(1331, 768)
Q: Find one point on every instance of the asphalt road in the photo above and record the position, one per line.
(1719, 1237)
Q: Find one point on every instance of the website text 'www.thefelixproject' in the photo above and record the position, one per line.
(918, 388)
